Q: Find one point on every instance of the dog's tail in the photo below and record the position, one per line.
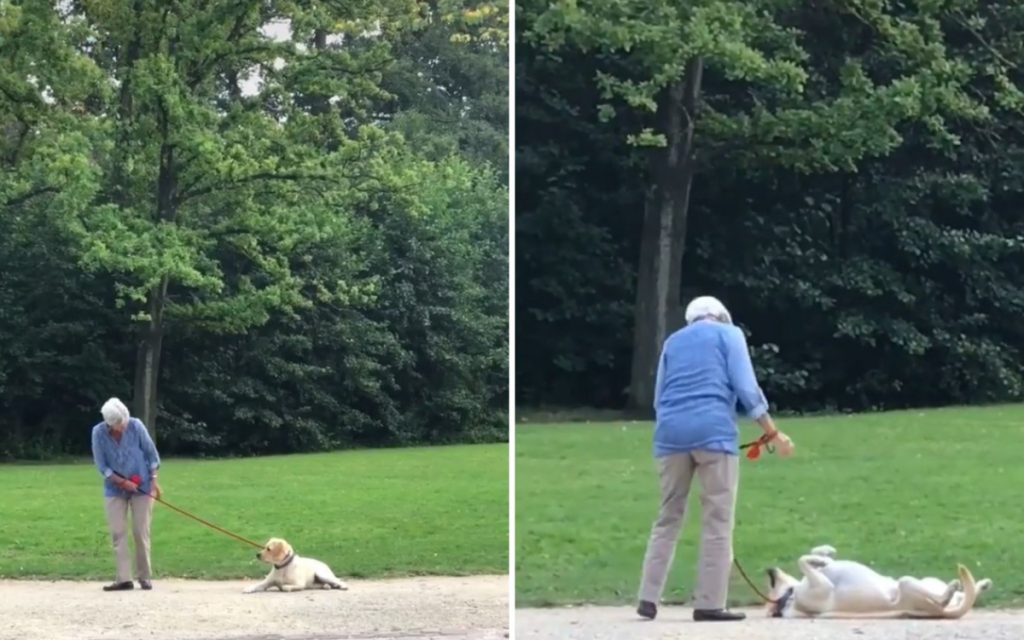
(970, 595)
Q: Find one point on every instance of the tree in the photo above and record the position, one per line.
(449, 82)
(209, 192)
(705, 82)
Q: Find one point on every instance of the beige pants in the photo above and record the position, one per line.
(719, 478)
(117, 520)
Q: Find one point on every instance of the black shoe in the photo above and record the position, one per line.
(717, 615)
(647, 610)
(146, 585)
(120, 586)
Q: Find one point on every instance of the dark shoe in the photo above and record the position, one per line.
(717, 615)
(647, 610)
(146, 585)
(119, 586)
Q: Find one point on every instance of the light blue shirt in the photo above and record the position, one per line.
(134, 455)
(703, 374)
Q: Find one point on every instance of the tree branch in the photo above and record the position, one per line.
(963, 22)
(18, 200)
(256, 177)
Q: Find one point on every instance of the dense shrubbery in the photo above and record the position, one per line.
(314, 261)
(856, 197)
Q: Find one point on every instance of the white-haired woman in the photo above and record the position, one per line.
(128, 461)
(704, 372)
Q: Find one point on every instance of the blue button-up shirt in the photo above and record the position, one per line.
(134, 455)
(704, 372)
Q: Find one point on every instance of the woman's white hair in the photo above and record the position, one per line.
(707, 307)
(114, 412)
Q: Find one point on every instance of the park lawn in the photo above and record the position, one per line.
(374, 513)
(910, 492)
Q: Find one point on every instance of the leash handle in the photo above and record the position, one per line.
(755, 446)
(194, 517)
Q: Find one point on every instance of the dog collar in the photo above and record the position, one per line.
(287, 561)
(780, 604)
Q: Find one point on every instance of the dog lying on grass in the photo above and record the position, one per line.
(845, 587)
(292, 572)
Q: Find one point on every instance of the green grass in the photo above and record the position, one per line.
(393, 512)
(911, 492)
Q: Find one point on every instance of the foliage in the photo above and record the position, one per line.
(209, 197)
(854, 202)
(450, 82)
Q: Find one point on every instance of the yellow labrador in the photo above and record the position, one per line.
(844, 587)
(292, 572)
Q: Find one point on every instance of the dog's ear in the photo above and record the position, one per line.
(771, 577)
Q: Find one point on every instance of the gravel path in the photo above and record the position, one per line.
(675, 623)
(473, 608)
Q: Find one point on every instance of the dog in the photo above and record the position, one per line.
(845, 587)
(292, 572)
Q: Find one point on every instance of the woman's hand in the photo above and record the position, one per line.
(155, 490)
(783, 445)
(129, 486)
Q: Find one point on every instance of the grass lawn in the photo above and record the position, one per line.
(909, 492)
(390, 512)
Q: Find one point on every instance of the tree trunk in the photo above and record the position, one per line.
(320, 103)
(151, 336)
(147, 362)
(666, 206)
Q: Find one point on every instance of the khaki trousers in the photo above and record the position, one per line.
(719, 478)
(117, 520)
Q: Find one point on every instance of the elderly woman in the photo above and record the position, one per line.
(122, 450)
(704, 371)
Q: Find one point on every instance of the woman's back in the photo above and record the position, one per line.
(704, 371)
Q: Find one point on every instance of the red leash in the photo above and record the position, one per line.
(755, 446)
(754, 454)
(138, 483)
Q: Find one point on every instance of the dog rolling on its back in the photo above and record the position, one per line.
(844, 587)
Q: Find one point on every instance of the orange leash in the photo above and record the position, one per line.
(750, 582)
(755, 453)
(196, 518)
(755, 446)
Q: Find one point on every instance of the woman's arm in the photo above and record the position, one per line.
(748, 391)
(149, 449)
(744, 380)
(98, 455)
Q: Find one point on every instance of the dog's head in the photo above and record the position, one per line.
(275, 551)
(780, 590)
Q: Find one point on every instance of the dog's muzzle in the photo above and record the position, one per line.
(782, 602)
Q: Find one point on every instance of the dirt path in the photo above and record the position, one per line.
(675, 623)
(474, 608)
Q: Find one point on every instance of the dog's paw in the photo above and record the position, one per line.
(249, 590)
(342, 586)
(826, 550)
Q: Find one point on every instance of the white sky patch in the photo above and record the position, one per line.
(251, 82)
(46, 93)
(278, 30)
